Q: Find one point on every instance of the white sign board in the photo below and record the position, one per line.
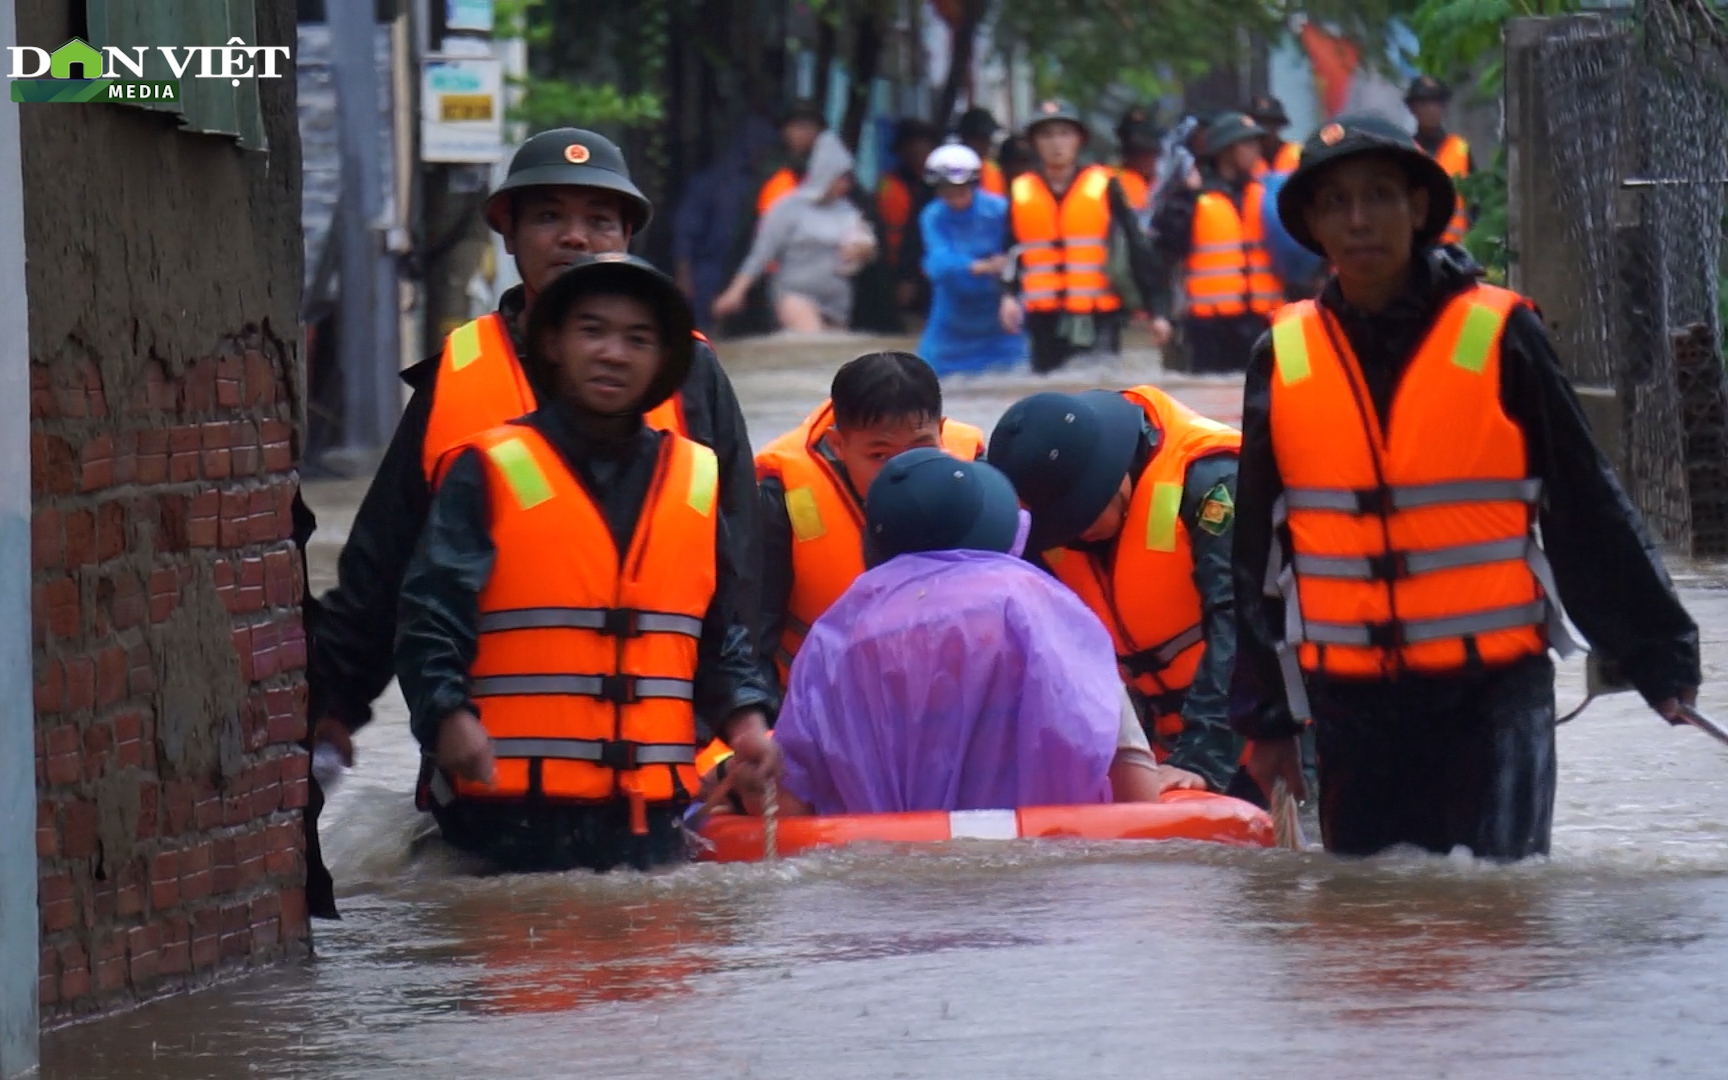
(468, 15)
(462, 110)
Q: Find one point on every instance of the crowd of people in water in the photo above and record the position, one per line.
(602, 606)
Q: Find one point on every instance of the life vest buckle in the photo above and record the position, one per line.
(620, 623)
(1386, 635)
(618, 689)
(1376, 501)
(1389, 566)
(618, 754)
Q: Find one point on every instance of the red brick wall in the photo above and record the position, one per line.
(169, 693)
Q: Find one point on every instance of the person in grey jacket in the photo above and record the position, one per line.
(818, 238)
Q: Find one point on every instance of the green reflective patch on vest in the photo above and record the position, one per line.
(1054, 557)
(1476, 338)
(806, 516)
(1290, 351)
(704, 481)
(1161, 522)
(464, 345)
(527, 483)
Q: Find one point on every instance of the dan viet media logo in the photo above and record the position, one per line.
(79, 72)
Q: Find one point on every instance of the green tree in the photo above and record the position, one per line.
(550, 99)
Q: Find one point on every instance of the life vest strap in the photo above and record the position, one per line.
(617, 689)
(611, 753)
(1393, 635)
(1157, 658)
(1397, 565)
(612, 622)
(1366, 501)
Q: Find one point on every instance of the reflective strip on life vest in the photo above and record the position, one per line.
(528, 485)
(615, 622)
(1370, 500)
(621, 689)
(1377, 568)
(1152, 661)
(595, 750)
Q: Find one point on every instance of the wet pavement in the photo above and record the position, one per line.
(1609, 959)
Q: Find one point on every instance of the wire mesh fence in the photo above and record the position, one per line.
(1633, 112)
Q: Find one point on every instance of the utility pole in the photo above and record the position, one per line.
(367, 304)
(19, 961)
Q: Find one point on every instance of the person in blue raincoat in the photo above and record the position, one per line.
(963, 229)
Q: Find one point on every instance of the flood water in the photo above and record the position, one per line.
(1609, 959)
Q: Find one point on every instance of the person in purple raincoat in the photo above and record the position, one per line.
(953, 675)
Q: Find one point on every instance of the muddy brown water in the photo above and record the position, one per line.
(1609, 959)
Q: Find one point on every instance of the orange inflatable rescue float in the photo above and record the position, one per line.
(1179, 815)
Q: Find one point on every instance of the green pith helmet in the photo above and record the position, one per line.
(1229, 129)
(570, 157)
(1053, 110)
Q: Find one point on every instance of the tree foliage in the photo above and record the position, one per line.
(556, 100)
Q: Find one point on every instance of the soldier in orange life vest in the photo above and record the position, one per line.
(1277, 154)
(571, 618)
(812, 485)
(1427, 99)
(1062, 219)
(1138, 138)
(1402, 438)
(568, 193)
(977, 128)
(1132, 497)
(1214, 240)
(901, 195)
(798, 131)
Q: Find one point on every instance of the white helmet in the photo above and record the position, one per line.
(955, 163)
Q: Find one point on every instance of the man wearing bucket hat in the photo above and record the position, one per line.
(1403, 436)
(952, 675)
(572, 608)
(1427, 99)
(977, 128)
(1213, 238)
(1279, 154)
(1064, 219)
(568, 193)
(1132, 501)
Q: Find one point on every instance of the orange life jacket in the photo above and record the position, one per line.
(1064, 248)
(481, 384)
(1144, 591)
(990, 179)
(783, 183)
(1454, 157)
(894, 203)
(1229, 270)
(1137, 188)
(1412, 545)
(827, 519)
(1288, 157)
(586, 665)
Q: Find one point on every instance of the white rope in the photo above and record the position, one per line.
(770, 820)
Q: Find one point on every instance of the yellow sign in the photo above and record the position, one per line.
(459, 108)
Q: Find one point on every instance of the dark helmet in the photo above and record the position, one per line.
(977, 123)
(1138, 130)
(1427, 88)
(1229, 129)
(1267, 111)
(1350, 136)
(570, 157)
(616, 272)
(1053, 110)
(805, 111)
(1066, 455)
(925, 500)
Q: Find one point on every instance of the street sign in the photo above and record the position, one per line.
(462, 110)
(468, 15)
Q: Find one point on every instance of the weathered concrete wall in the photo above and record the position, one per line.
(163, 282)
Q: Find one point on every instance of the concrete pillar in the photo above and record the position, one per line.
(19, 963)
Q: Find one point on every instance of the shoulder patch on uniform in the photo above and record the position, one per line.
(1217, 510)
